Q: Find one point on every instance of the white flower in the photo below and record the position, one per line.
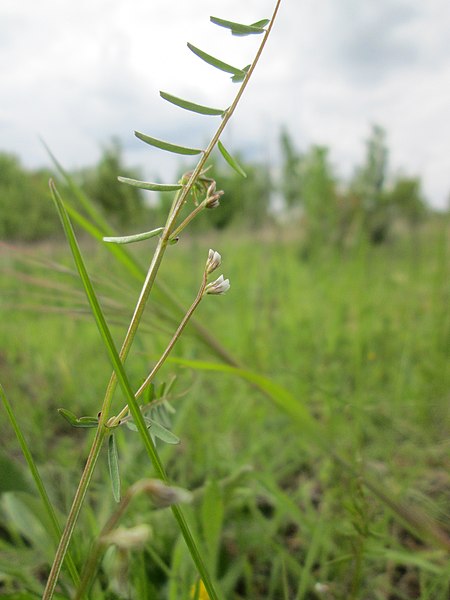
(214, 260)
(219, 286)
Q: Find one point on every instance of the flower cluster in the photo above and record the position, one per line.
(220, 285)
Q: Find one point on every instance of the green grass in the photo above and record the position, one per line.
(361, 337)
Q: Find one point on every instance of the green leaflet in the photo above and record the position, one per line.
(215, 62)
(156, 430)
(192, 106)
(261, 23)
(230, 160)
(137, 237)
(113, 465)
(148, 185)
(166, 145)
(84, 422)
(239, 28)
(162, 433)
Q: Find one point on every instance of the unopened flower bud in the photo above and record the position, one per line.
(219, 286)
(213, 201)
(214, 260)
(164, 495)
(211, 189)
(128, 538)
(213, 196)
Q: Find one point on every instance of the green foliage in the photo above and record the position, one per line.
(407, 200)
(336, 331)
(336, 212)
(26, 212)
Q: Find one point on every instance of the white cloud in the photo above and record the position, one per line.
(79, 73)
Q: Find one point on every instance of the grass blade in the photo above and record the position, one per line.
(192, 106)
(113, 465)
(238, 28)
(148, 185)
(230, 160)
(127, 391)
(169, 147)
(56, 529)
(215, 62)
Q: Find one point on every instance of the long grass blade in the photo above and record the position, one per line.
(280, 396)
(127, 390)
(412, 517)
(113, 465)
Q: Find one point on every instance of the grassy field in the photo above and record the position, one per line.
(359, 337)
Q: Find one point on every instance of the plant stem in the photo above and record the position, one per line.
(116, 420)
(177, 205)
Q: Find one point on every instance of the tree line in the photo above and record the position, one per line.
(303, 190)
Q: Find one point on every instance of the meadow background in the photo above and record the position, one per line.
(340, 294)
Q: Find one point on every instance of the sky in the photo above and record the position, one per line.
(78, 73)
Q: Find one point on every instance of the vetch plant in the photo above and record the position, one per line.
(203, 189)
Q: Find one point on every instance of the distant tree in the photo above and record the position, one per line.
(123, 203)
(407, 200)
(319, 196)
(26, 210)
(309, 188)
(368, 188)
(290, 172)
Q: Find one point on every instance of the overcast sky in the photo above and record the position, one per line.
(78, 73)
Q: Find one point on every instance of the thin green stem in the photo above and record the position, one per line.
(116, 420)
(188, 219)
